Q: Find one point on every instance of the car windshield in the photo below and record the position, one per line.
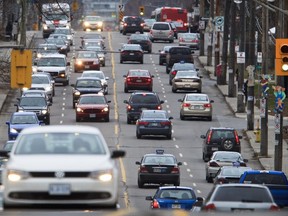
(49, 62)
(144, 99)
(184, 67)
(32, 101)
(242, 194)
(60, 143)
(56, 16)
(57, 41)
(92, 100)
(65, 31)
(161, 26)
(177, 194)
(92, 36)
(138, 73)
(197, 98)
(127, 47)
(88, 84)
(93, 18)
(167, 160)
(190, 36)
(24, 119)
(227, 157)
(87, 55)
(153, 115)
(40, 80)
(265, 178)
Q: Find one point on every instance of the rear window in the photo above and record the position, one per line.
(242, 194)
(264, 178)
(222, 134)
(144, 99)
(161, 26)
(184, 67)
(133, 20)
(179, 50)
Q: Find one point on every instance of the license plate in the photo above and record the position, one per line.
(157, 170)
(177, 206)
(138, 81)
(59, 189)
(154, 124)
(214, 148)
(187, 86)
(131, 54)
(92, 115)
(86, 66)
(196, 107)
(133, 24)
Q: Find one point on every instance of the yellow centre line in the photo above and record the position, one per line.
(116, 127)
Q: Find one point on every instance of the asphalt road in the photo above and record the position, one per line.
(186, 144)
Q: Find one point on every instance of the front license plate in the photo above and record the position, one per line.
(59, 189)
(214, 149)
(133, 24)
(86, 66)
(176, 206)
(92, 115)
(157, 170)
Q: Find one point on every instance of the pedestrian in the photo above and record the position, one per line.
(245, 90)
(9, 29)
(15, 31)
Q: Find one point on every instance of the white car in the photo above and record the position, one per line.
(61, 164)
(100, 75)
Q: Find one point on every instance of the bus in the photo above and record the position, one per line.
(176, 15)
(55, 15)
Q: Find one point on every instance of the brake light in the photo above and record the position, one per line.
(142, 24)
(129, 107)
(210, 207)
(236, 137)
(155, 204)
(166, 123)
(171, 32)
(213, 164)
(207, 105)
(143, 169)
(175, 170)
(128, 79)
(186, 105)
(181, 40)
(125, 24)
(149, 80)
(274, 208)
(159, 107)
(142, 123)
(185, 24)
(209, 137)
(174, 72)
(222, 181)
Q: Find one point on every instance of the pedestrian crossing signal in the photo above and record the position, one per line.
(141, 10)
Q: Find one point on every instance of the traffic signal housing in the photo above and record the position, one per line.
(281, 61)
(141, 10)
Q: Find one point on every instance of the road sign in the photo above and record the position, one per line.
(201, 24)
(196, 11)
(219, 23)
(241, 57)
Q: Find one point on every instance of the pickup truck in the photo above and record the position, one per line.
(276, 181)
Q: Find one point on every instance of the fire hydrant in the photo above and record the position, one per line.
(257, 132)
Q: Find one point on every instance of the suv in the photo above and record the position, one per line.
(37, 104)
(162, 31)
(56, 65)
(220, 139)
(140, 100)
(178, 54)
(92, 23)
(132, 24)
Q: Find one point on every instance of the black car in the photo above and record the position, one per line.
(37, 104)
(141, 100)
(154, 122)
(158, 168)
(141, 39)
(178, 54)
(86, 85)
(163, 53)
(220, 139)
(131, 52)
(229, 174)
(133, 24)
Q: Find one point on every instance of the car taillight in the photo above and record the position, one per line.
(207, 105)
(143, 169)
(171, 32)
(159, 107)
(274, 208)
(209, 137)
(213, 164)
(175, 170)
(174, 73)
(142, 123)
(125, 24)
(210, 207)
(166, 123)
(236, 137)
(186, 105)
(181, 39)
(129, 107)
(128, 79)
(155, 204)
(149, 79)
(222, 181)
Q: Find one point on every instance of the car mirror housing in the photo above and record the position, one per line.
(202, 136)
(137, 163)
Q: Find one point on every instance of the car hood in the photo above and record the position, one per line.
(52, 68)
(22, 126)
(33, 107)
(86, 59)
(61, 162)
(91, 106)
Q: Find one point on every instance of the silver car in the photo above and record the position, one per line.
(191, 40)
(61, 164)
(187, 80)
(196, 105)
(161, 31)
(239, 198)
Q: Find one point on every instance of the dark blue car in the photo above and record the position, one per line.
(19, 121)
(173, 197)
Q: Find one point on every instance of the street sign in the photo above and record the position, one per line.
(262, 107)
(241, 57)
(219, 23)
(201, 24)
(259, 57)
(277, 123)
(196, 11)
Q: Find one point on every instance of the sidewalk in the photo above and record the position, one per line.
(266, 162)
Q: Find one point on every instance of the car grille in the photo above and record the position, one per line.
(88, 62)
(30, 195)
(52, 73)
(66, 174)
(92, 110)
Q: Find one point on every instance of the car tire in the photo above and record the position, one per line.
(47, 122)
(182, 117)
(150, 89)
(129, 120)
(149, 51)
(138, 135)
(227, 144)
(121, 61)
(174, 90)
(167, 69)
(51, 100)
(107, 119)
(205, 157)
(152, 40)
(169, 136)
(210, 118)
(126, 90)
(199, 91)
(177, 183)
(77, 119)
(140, 183)
(53, 93)
(73, 105)
(171, 41)
(170, 82)
(141, 62)
(124, 33)
(160, 62)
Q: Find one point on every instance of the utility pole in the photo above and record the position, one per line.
(232, 56)
(241, 66)
(24, 5)
(202, 10)
(217, 48)
(278, 148)
(210, 45)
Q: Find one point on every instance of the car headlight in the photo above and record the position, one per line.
(24, 89)
(100, 23)
(101, 58)
(39, 55)
(77, 93)
(17, 175)
(103, 175)
(79, 109)
(86, 24)
(45, 27)
(106, 109)
(12, 130)
(48, 88)
(44, 111)
(20, 110)
(104, 83)
(79, 62)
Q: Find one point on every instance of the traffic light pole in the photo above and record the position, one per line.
(278, 118)
(264, 127)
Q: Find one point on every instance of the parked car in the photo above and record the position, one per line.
(131, 52)
(138, 79)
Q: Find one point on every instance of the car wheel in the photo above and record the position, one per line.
(53, 93)
(77, 119)
(177, 183)
(47, 122)
(149, 51)
(205, 158)
(169, 136)
(182, 117)
(160, 62)
(167, 70)
(152, 40)
(199, 91)
(171, 41)
(124, 33)
(210, 180)
(51, 100)
(129, 120)
(140, 183)
(227, 144)
(73, 105)
(138, 135)
(121, 61)
(210, 118)
(141, 62)
(126, 90)
(174, 90)
(107, 119)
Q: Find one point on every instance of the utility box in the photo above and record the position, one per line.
(21, 68)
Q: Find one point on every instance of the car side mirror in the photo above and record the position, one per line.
(120, 50)
(180, 100)
(152, 76)
(81, 47)
(149, 198)
(137, 163)
(104, 37)
(49, 104)
(197, 69)
(125, 101)
(202, 136)
(106, 78)
(35, 63)
(162, 101)
(179, 164)
(7, 122)
(201, 76)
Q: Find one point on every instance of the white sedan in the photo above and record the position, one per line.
(61, 164)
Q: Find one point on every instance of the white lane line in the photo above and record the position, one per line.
(63, 108)
(61, 122)
(180, 154)
(185, 164)
(169, 111)
(191, 176)
(63, 104)
(198, 191)
(188, 170)
(194, 184)
(64, 93)
(176, 146)
(62, 114)
(64, 98)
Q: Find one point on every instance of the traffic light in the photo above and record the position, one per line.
(281, 61)
(141, 10)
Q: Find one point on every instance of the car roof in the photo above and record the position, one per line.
(94, 95)
(154, 111)
(221, 128)
(196, 94)
(160, 155)
(265, 171)
(88, 78)
(240, 185)
(143, 92)
(53, 55)
(144, 70)
(175, 187)
(92, 71)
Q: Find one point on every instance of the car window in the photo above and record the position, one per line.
(88, 84)
(29, 119)
(153, 115)
(240, 194)
(58, 62)
(97, 75)
(133, 20)
(263, 178)
(196, 98)
(40, 80)
(87, 55)
(184, 66)
(33, 101)
(147, 99)
(177, 194)
(139, 73)
(92, 100)
(167, 160)
(161, 26)
(180, 51)
(227, 157)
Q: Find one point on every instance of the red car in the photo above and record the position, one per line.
(137, 79)
(86, 60)
(92, 107)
